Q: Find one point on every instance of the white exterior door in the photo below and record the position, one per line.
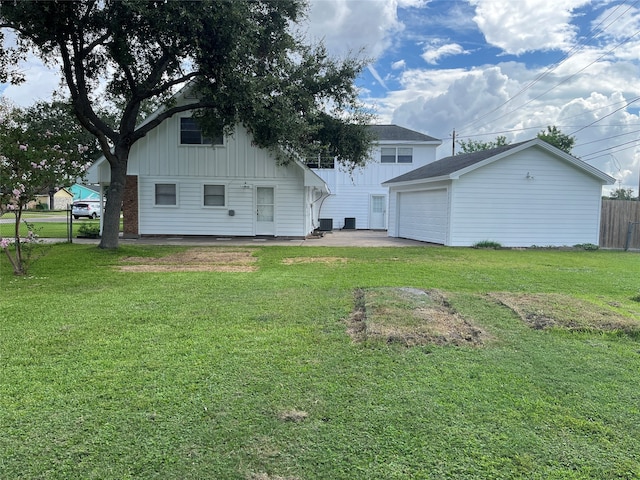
(378, 212)
(265, 211)
(422, 215)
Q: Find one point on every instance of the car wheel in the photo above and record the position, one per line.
(94, 216)
(76, 217)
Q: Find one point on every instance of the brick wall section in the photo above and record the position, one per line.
(130, 208)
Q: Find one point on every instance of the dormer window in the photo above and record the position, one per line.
(396, 155)
(191, 133)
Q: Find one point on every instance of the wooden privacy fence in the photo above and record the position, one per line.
(620, 224)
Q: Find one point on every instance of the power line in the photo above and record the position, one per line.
(551, 68)
(608, 115)
(632, 144)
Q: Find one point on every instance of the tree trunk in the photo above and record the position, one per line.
(115, 195)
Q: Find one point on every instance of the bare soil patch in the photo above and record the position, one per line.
(293, 416)
(410, 317)
(325, 260)
(552, 310)
(198, 259)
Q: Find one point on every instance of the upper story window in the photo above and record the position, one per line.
(320, 162)
(191, 134)
(396, 155)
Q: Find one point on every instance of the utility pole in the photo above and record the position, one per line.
(453, 142)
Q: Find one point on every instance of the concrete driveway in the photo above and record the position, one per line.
(336, 238)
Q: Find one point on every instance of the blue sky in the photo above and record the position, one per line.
(484, 68)
(500, 67)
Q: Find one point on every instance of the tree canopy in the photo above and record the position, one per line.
(471, 146)
(622, 194)
(554, 136)
(242, 58)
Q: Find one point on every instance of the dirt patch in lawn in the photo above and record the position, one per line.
(410, 317)
(325, 260)
(552, 310)
(200, 259)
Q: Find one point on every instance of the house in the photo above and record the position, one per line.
(182, 183)
(358, 199)
(61, 199)
(84, 192)
(519, 195)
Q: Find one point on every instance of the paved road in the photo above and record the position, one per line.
(9, 218)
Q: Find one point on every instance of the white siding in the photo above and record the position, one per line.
(241, 167)
(351, 193)
(557, 205)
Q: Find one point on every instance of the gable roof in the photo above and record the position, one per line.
(454, 166)
(400, 134)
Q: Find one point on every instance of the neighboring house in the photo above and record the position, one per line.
(84, 192)
(519, 195)
(181, 183)
(358, 199)
(61, 200)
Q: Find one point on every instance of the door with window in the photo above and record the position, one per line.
(378, 212)
(265, 211)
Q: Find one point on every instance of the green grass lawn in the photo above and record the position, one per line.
(250, 373)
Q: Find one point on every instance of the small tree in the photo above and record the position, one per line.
(553, 136)
(471, 146)
(622, 194)
(31, 161)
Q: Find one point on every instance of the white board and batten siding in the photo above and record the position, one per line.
(238, 165)
(526, 199)
(352, 193)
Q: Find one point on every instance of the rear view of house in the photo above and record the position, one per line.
(358, 199)
(180, 182)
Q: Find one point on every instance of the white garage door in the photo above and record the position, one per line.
(422, 215)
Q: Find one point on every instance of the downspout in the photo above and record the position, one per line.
(321, 199)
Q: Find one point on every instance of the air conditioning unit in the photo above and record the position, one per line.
(349, 223)
(326, 224)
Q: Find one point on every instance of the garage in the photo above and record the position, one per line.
(423, 215)
(518, 195)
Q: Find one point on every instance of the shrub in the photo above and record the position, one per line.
(487, 244)
(89, 230)
(586, 246)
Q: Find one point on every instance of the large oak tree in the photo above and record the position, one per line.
(242, 58)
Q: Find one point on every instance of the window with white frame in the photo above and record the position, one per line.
(165, 194)
(214, 196)
(320, 161)
(396, 155)
(191, 133)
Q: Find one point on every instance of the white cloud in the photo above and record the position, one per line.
(527, 25)
(399, 65)
(433, 53)
(349, 26)
(40, 83)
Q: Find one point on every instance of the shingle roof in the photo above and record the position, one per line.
(449, 165)
(394, 132)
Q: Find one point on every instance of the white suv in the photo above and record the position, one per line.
(86, 208)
